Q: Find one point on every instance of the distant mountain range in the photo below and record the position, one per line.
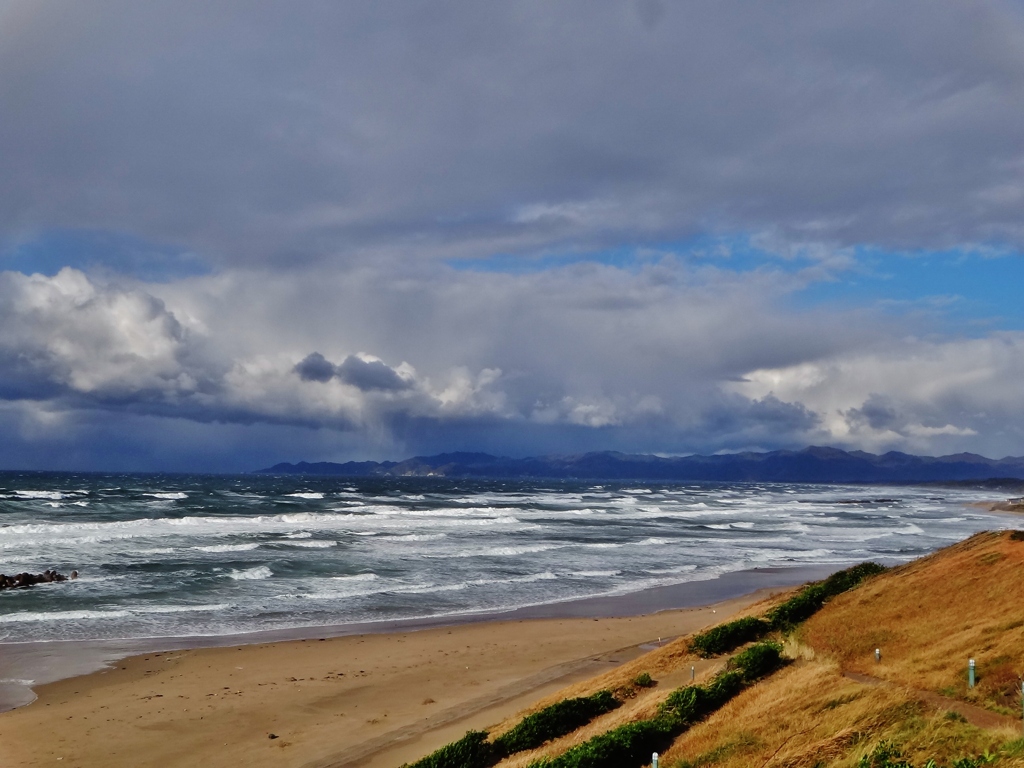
(810, 465)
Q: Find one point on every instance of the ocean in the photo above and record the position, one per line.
(173, 555)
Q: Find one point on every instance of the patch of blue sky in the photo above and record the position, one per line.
(100, 251)
(971, 291)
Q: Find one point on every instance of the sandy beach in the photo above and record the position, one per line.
(362, 700)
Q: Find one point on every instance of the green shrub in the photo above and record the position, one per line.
(628, 745)
(811, 598)
(884, 755)
(644, 680)
(729, 636)
(757, 661)
(554, 721)
(471, 751)
(685, 705)
(631, 745)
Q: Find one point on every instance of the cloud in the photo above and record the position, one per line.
(315, 367)
(915, 394)
(669, 357)
(265, 204)
(371, 374)
(67, 337)
(260, 135)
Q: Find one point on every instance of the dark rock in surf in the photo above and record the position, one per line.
(22, 580)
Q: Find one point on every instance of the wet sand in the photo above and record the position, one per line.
(371, 700)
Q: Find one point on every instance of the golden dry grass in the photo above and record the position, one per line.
(931, 616)
(809, 715)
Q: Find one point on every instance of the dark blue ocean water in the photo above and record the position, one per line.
(167, 556)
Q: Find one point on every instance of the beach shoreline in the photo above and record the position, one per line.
(26, 666)
(338, 696)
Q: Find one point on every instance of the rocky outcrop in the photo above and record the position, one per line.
(31, 579)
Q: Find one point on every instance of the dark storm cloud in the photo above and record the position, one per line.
(370, 375)
(366, 375)
(315, 367)
(282, 132)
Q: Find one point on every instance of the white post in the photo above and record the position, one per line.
(970, 673)
(693, 673)
(878, 655)
(654, 760)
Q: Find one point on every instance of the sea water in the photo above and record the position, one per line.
(167, 556)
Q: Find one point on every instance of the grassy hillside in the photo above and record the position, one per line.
(833, 704)
(928, 618)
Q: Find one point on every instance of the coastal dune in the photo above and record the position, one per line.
(370, 700)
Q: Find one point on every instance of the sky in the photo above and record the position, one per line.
(238, 233)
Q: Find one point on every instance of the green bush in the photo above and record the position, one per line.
(686, 705)
(644, 680)
(631, 745)
(811, 598)
(757, 661)
(471, 751)
(554, 721)
(628, 745)
(729, 636)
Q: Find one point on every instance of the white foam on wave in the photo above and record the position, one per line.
(308, 544)
(510, 551)
(330, 590)
(654, 541)
(258, 573)
(418, 537)
(306, 495)
(169, 495)
(96, 531)
(299, 535)
(228, 547)
(52, 495)
(24, 616)
(180, 608)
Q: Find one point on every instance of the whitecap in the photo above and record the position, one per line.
(228, 547)
(53, 495)
(252, 574)
(169, 496)
(305, 495)
(310, 544)
(179, 608)
(23, 616)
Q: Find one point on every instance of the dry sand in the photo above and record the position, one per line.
(369, 700)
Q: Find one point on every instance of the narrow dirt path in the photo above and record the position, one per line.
(976, 716)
